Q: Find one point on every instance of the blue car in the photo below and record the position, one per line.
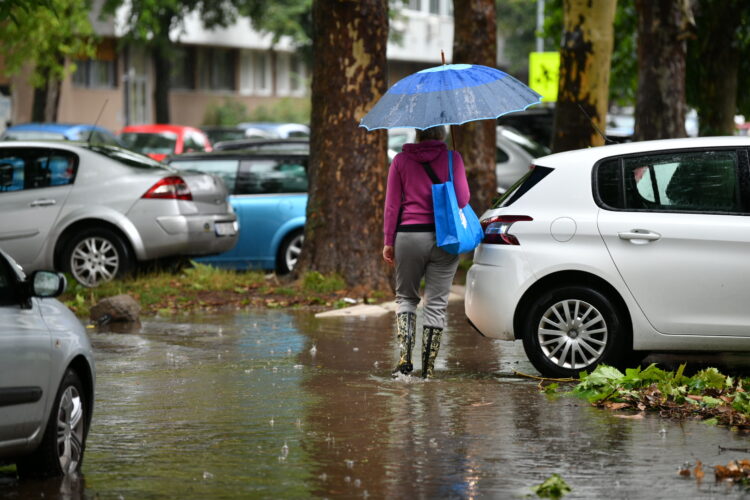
(268, 191)
(61, 132)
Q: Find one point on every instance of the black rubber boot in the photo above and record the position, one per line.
(406, 330)
(430, 347)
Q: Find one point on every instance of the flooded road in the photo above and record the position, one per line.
(278, 404)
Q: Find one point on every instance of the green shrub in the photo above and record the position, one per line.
(229, 112)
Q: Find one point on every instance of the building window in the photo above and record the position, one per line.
(216, 68)
(435, 7)
(291, 75)
(95, 74)
(255, 73)
(415, 5)
(100, 72)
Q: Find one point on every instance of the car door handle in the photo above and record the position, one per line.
(43, 203)
(639, 234)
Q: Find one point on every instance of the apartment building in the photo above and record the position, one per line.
(236, 63)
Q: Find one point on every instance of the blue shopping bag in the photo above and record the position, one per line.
(457, 230)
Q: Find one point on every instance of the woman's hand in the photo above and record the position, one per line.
(388, 254)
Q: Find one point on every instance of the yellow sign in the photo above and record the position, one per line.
(544, 69)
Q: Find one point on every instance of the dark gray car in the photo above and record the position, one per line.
(97, 211)
(46, 375)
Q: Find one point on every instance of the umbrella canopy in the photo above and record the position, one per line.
(450, 94)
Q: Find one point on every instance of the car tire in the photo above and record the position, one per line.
(289, 251)
(572, 329)
(61, 451)
(95, 256)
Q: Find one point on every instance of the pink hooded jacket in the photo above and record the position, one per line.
(409, 188)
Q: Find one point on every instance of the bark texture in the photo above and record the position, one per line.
(348, 165)
(475, 42)
(663, 27)
(585, 58)
(716, 62)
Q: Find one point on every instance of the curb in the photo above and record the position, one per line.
(375, 311)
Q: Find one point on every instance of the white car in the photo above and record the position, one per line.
(46, 375)
(604, 254)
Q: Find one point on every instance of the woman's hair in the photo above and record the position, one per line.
(431, 134)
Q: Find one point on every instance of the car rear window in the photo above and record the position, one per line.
(129, 158)
(150, 143)
(224, 168)
(689, 181)
(266, 176)
(522, 186)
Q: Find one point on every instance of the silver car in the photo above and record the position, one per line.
(97, 211)
(46, 375)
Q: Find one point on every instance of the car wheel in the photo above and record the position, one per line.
(61, 450)
(96, 256)
(289, 251)
(573, 329)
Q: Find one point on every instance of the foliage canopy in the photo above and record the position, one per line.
(45, 32)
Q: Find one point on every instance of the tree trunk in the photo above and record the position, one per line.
(716, 67)
(660, 104)
(585, 57)
(348, 165)
(475, 42)
(46, 101)
(52, 102)
(163, 71)
(39, 104)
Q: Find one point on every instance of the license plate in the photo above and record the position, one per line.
(224, 229)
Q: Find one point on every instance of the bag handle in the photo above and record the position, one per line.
(450, 164)
(431, 173)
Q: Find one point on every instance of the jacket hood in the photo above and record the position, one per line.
(424, 152)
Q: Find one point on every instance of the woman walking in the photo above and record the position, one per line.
(409, 243)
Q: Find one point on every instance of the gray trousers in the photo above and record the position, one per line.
(417, 256)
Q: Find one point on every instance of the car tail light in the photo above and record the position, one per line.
(497, 229)
(172, 188)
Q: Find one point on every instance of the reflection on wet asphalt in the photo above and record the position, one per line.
(278, 404)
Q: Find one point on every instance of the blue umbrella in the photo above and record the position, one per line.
(450, 94)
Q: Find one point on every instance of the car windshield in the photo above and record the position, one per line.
(522, 186)
(161, 143)
(224, 135)
(32, 135)
(532, 147)
(124, 156)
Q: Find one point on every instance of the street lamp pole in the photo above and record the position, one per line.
(539, 25)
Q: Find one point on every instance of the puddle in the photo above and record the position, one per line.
(278, 404)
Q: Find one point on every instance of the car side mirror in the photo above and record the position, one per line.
(47, 284)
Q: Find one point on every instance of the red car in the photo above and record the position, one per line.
(158, 141)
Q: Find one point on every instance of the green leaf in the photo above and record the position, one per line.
(551, 388)
(710, 401)
(552, 487)
(603, 375)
